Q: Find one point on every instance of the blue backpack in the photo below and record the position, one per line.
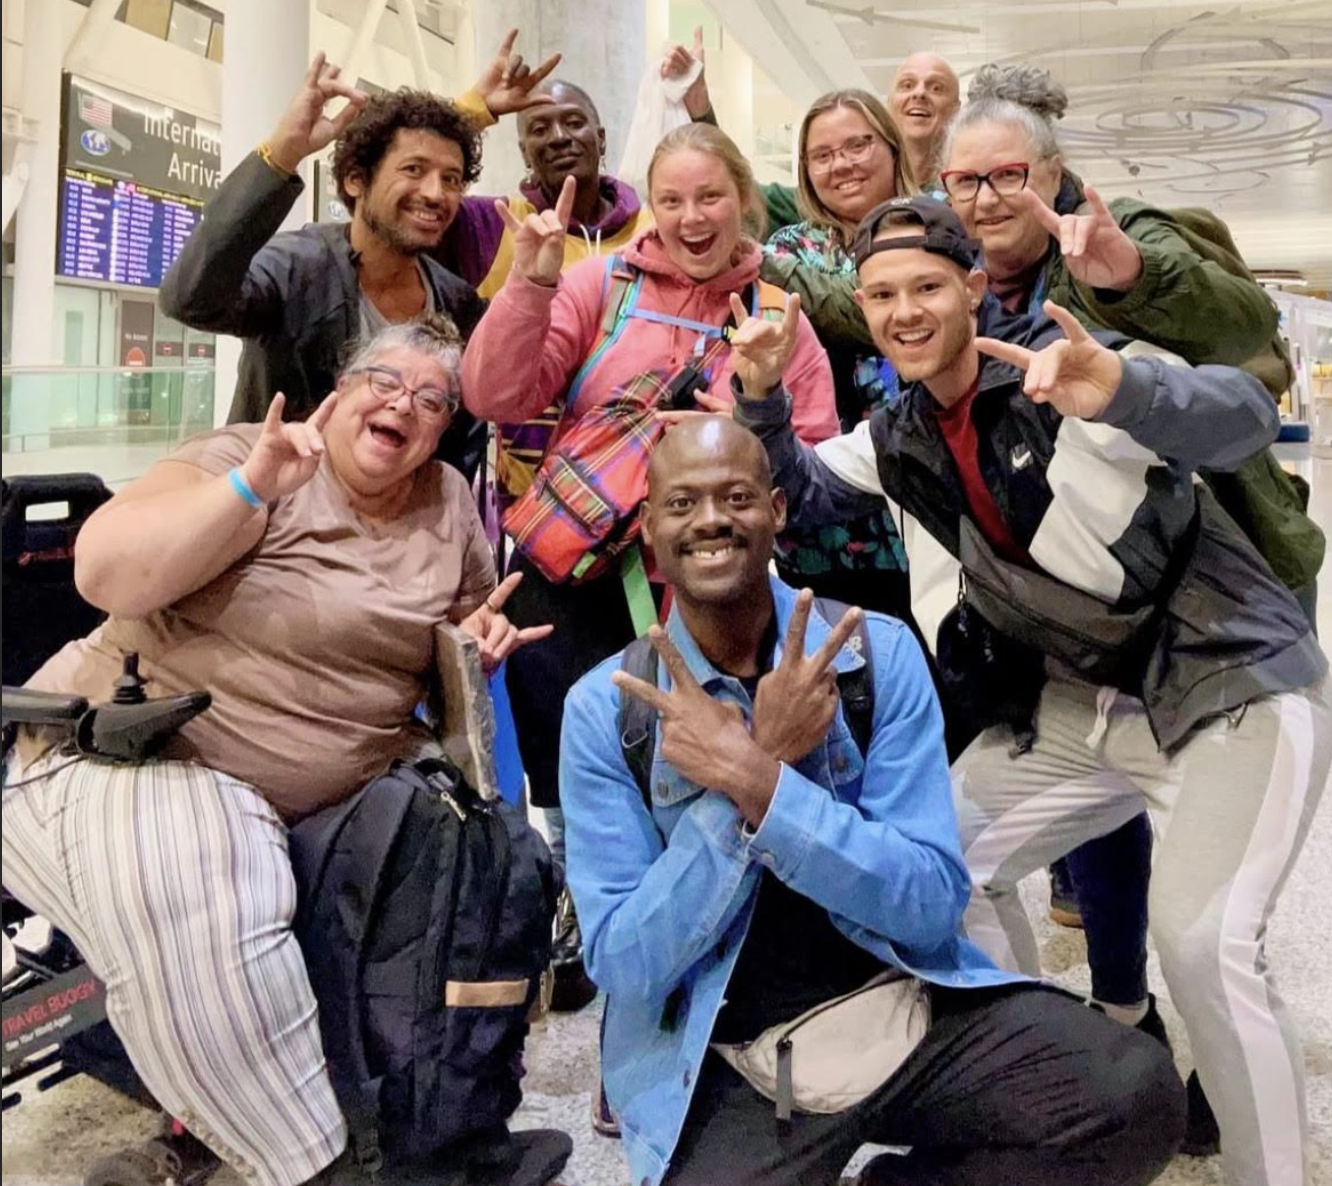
(425, 918)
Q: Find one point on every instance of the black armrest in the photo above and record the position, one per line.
(28, 707)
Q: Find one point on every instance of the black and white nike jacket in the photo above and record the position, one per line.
(1140, 579)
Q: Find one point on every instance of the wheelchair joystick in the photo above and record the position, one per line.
(129, 688)
(130, 727)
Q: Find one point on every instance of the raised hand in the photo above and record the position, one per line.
(506, 84)
(1096, 251)
(762, 348)
(1077, 375)
(304, 128)
(538, 239)
(677, 62)
(704, 739)
(497, 637)
(286, 456)
(796, 701)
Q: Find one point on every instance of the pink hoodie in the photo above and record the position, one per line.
(529, 345)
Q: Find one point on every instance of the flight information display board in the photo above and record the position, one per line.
(134, 178)
(120, 232)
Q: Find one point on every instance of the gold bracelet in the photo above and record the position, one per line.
(265, 154)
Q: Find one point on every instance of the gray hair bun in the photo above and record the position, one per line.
(1027, 86)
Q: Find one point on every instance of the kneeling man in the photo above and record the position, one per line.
(790, 848)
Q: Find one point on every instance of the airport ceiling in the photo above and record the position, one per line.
(1178, 103)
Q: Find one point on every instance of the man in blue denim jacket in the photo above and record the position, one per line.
(777, 870)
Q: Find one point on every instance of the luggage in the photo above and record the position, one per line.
(425, 917)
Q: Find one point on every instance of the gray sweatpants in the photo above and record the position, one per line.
(1231, 808)
(174, 883)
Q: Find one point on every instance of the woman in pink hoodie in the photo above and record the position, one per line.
(542, 326)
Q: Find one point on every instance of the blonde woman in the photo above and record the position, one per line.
(851, 158)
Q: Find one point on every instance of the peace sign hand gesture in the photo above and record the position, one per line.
(1096, 251)
(1077, 375)
(507, 83)
(538, 239)
(304, 128)
(762, 348)
(497, 637)
(797, 700)
(286, 456)
(704, 739)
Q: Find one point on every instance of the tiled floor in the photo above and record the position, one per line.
(50, 1140)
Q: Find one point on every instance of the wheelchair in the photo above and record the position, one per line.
(55, 1024)
(54, 1014)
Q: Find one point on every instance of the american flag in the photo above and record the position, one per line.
(95, 110)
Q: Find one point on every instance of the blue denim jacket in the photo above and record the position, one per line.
(665, 899)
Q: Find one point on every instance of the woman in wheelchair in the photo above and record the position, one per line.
(297, 571)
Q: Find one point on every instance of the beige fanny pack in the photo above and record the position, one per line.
(835, 1055)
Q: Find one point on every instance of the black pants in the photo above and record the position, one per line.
(591, 623)
(1010, 1087)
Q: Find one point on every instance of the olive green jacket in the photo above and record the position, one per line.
(1196, 298)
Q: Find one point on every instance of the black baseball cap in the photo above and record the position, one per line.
(941, 231)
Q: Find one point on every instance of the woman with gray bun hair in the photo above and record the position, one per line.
(1027, 86)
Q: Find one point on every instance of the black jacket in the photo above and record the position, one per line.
(294, 298)
(1139, 578)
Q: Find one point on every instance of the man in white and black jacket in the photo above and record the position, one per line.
(1172, 669)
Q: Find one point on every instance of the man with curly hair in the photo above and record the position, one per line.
(298, 298)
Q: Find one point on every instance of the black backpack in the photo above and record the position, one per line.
(638, 722)
(425, 918)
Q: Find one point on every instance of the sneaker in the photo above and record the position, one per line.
(1153, 1026)
(1064, 908)
(170, 1159)
(573, 989)
(1202, 1135)
(532, 1157)
(603, 1119)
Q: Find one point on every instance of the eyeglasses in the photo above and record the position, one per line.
(963, 185)
(387, 386)
(854, 151)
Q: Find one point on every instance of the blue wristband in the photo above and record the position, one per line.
(241, 487)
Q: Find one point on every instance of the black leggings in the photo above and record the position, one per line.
(591, 623)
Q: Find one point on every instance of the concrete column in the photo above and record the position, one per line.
(35, 232)
(604, 48)
(267, 50)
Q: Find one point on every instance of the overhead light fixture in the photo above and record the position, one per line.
(1280, 278)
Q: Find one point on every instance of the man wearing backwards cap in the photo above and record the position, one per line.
(1125, 643)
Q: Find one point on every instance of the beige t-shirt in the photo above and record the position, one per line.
(317, 645)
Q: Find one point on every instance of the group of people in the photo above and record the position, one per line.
(1021, 432)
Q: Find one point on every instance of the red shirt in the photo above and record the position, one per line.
(960, 433)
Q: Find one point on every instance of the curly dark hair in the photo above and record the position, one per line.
(367, 139)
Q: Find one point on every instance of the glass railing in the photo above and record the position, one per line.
(111, 421)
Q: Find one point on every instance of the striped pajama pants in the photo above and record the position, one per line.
(174, 883)
(1231, 808)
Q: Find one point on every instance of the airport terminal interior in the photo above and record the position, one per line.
(123, 118)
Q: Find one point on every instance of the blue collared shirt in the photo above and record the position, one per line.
(665, 899)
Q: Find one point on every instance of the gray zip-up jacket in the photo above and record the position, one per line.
(1139, 579)
(294, 298)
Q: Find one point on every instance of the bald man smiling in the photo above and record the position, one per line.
(925, 96)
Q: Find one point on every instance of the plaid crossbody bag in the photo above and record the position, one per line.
(582, 509)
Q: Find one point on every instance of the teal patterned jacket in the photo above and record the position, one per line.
(863, 381)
